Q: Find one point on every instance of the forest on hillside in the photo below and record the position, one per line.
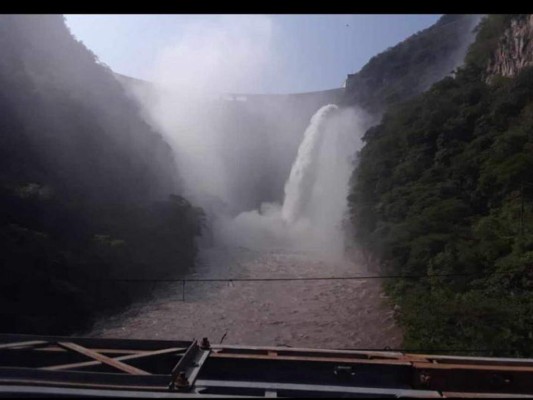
(88, 190)
(443, 190)
(413, 65)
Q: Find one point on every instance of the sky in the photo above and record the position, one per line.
(243, 53)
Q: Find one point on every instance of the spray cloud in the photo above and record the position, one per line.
(315, 193)
(227, 56)
(211, 58)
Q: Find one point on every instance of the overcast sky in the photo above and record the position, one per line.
(243, 53)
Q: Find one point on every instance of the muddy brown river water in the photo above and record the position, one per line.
(323, 313)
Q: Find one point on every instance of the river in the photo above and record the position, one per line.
(338, 314)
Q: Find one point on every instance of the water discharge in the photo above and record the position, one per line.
(303, 173)
(311, 215)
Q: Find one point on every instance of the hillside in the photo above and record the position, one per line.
(411, 66)
(443, 187)
(87, 188)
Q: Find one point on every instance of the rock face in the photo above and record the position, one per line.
(515, 49)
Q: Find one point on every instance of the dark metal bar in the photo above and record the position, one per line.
(199, 361)
(478, 360)
(473, 378)
(463, 395)
(477, 367)
(316, 388)
(184, 361)
(39, 391)
(178, 375)
(336, 360)
(296, 350)
(84, 378)
(79, 385)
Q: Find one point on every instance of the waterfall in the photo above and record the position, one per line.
(310, 217)
(302, 178)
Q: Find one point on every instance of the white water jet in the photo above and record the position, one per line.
(303, 172)
(311, 215)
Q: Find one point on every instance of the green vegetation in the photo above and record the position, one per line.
(410, 67)
(444, 186)
(85, 186)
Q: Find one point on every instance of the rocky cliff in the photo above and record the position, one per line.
(515, 49)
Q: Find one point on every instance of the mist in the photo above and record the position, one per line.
(191, 75)
(241, 158)
(310, 217)
(233, 153)
(271, 171)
